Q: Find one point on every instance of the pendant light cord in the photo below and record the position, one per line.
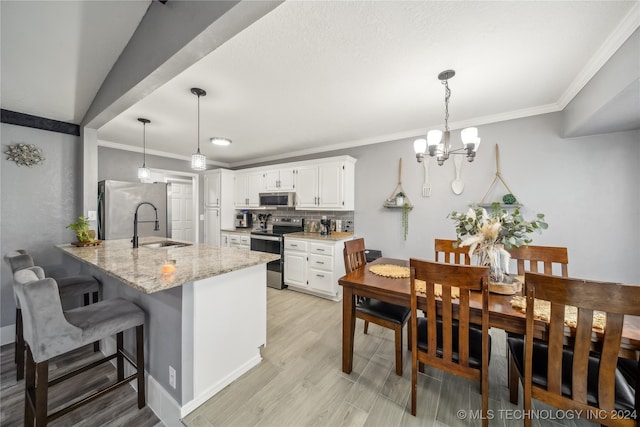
(144, 145)
(198, 123)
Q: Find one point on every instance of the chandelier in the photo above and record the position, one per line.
(440, 147)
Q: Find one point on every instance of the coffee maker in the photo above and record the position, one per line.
(325, 226)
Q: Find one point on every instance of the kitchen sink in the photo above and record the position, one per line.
(165, 244)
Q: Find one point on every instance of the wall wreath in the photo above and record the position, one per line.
(25, 154)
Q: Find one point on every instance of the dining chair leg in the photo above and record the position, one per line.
(414, 383)
(140, 365)
(119, 357)
(514, 378)
(366, 327)
(409, 334)
(29, 386)
(19, 347)
(398, 333)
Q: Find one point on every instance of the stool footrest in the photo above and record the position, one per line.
(83, 369)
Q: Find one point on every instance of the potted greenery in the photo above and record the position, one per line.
(405, 219)
(400, 199)
(81, 227)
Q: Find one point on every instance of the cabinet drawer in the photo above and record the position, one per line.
(321, 280)
(321, 262)
(234, 238)
(321, 249)
(245, 240)
(295, 245)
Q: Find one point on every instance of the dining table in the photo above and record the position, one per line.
(502, 315)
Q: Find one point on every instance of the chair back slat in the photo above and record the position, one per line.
(447, 324)
(463, 334)
(353, 254)
(528, 258)
(448, 254)
(616, 301)
(581, 350)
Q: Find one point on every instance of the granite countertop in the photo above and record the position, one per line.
(237, 230)
(142, 268)
(333, 237)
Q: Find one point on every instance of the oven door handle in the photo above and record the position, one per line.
(271, 238)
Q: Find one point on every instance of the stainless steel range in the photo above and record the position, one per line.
(272, 241)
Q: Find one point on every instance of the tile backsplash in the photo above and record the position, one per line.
(346, 218)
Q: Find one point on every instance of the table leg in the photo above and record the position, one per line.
(348, 328)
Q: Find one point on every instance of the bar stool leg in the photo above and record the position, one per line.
(119, 357)
(29, 386)
(19, 347)
(42, 384)
(96, 345)
(140, 365)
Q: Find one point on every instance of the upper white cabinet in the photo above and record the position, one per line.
(218, 203)
(212, 188)
(247, 188)
(326, 185)
(279, 179)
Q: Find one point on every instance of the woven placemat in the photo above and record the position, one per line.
(390, 270)
(542, 311)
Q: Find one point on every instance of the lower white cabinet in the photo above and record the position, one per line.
(314, 266)
(235, 240)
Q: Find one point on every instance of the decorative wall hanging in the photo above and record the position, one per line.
(25, 154)
(509, 199)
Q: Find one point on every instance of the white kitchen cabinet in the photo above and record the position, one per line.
(279, 179)
(212, 189)
(218, 196)
(224, 240)
(212, 226)
(247, 189)
(314, 266)
(326, 185)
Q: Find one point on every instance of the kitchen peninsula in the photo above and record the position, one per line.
(205, 313)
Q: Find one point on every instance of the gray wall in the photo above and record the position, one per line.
(588, 189)
(37, 204)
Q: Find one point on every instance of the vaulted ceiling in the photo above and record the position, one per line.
(313, 76)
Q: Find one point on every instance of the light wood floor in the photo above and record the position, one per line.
(300, 381)
(118, 408)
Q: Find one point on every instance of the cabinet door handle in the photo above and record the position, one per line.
(319, 275)
(319, 262)
(293, 246)
(320, 250)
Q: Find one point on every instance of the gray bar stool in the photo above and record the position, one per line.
(49, 332)
(71, 286)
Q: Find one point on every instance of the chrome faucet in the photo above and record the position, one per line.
(135, 223)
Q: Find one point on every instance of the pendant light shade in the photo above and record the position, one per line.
(198, 160)
(143, 171)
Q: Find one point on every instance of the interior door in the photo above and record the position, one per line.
(182, 211)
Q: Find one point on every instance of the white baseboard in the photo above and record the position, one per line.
(216, 388)
(8, 334)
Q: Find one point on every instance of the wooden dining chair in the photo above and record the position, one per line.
(596, 385)
(535, 259)
(448, 253)
(387, 315)
(531, 258)
(454, 345)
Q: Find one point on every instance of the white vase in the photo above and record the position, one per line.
(399, 201)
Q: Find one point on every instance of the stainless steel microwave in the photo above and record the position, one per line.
(278, 199)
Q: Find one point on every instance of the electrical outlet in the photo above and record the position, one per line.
(172, 377)
(91, 215)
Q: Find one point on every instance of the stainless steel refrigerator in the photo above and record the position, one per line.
(117, 203)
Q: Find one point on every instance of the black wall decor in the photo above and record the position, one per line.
(27, 120)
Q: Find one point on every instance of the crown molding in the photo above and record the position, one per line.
(124, 147)
(616, 39)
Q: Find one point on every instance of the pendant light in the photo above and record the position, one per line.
(144, 172)
(198, 160)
